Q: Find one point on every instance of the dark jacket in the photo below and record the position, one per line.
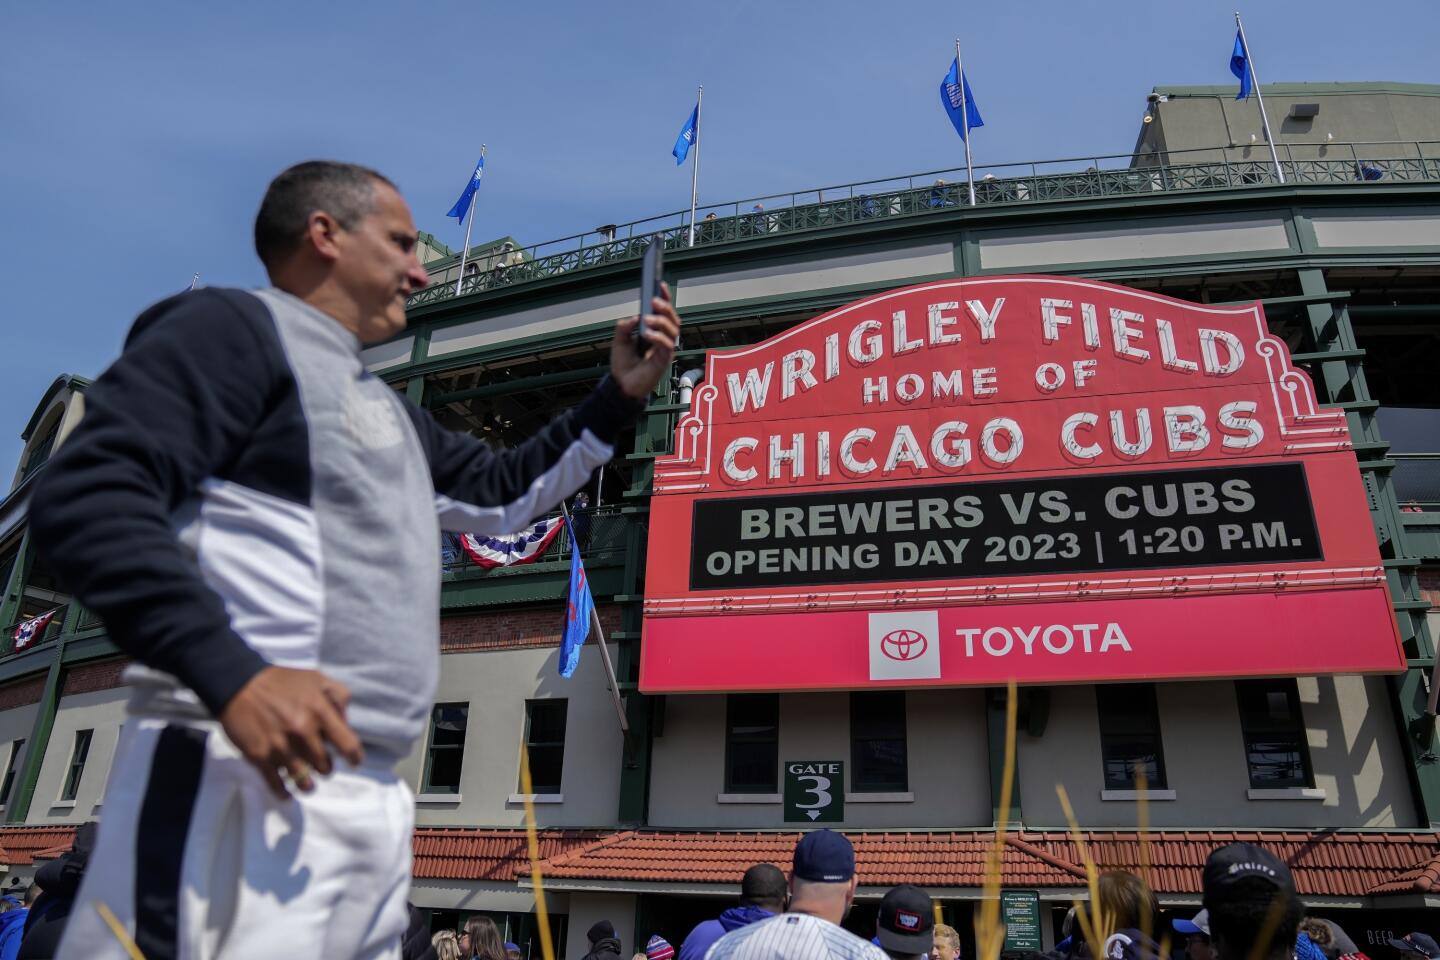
(705, 934)
(416, 945)
(58, 880)
(606, 948)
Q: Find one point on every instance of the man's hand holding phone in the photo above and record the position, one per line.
(644, 346)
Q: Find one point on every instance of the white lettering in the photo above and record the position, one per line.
(754, 389)
(732, 450)
(1123, 333)
(985, 319)
(866, 349)
(939, 320)
(795, 368)
(1068, 439)
(847, 451)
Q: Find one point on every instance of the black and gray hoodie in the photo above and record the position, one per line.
(241, 492)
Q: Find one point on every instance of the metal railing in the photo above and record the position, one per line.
(1416, 478)
(602, 532)
(1074, 178)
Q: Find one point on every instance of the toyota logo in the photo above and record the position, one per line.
(904, 644)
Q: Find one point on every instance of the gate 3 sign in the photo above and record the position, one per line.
(1035, 478)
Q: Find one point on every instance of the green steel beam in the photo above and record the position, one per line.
(518, 384)
(18, 809)
(15, 589)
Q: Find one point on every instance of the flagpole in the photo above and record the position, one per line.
(1264, 119)
(470, 223)
(965, 119)
(596, 628)
(695, 171)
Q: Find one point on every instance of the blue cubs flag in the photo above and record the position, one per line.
(1240, 66)
(462, 206)
(577, 614)
(950, 97)
(686, 140)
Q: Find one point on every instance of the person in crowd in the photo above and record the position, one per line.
(580, 519)
(658, 948)
(1131, 910)
(12, 926)
(446, 945)
(415, 944)
(1196, 932)
(482, 939)
(604, 945)
(822, 890)
(762, 895)
(947, 943)
(59, 880)
(1412, 946)
(1330, 938)
(512, 951)
(905, 925)
(1250, 898)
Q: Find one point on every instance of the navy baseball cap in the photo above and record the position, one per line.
(824, 856)
(906, 924)
(1417, 943)
(1236, 861)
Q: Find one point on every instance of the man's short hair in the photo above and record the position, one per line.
(943, 931)
(763, 883)
(346, 191)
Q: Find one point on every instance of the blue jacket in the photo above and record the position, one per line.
(703, 937)
(12, 928)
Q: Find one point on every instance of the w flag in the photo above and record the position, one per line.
(950, 96)
(462, 206)
(512, 550)
(686, 140)
(578, 614)
(32, 630)
(1240, 66)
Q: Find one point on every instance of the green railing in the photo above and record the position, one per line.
(1075, 178)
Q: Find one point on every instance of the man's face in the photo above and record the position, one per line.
(944, 950)
(376, 265)
(1197, 947)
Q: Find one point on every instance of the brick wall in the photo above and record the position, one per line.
(94, 676)
(513, 630)
(1429, 578)
(22, 692)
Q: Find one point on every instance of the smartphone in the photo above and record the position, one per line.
(652, 268)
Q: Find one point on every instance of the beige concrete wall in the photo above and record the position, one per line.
(102, 711)
(947, 762)
(587, 909)
(496, 684)
(1205, 121)
(499, 897)
(1358, 764)
(1136, 240)
(15, 724)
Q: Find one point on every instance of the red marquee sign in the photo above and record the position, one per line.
(1034, 478)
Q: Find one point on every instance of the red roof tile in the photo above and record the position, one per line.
(480, 854)
(1324, 864)
(22, 846)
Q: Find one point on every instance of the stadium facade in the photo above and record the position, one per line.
(651, 827)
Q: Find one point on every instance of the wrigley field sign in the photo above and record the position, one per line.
(1014, 477)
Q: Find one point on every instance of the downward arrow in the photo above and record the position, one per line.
(812, 814)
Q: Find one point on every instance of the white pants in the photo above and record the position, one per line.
(197, 858)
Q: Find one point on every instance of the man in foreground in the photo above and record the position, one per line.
(822, 890)
(762, 896)
(255, 518)
(1250, 899)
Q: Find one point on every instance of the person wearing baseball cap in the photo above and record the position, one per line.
(1417, 946)
(905, 927)
(1251, 903)
(1196, 932)
(822, 889)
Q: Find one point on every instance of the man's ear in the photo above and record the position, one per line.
(321, 233)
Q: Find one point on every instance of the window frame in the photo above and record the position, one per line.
(550, 703)
(858, 707)
(75, 769)
(1296, 727)
(1113, 725)
(732, 701)
(12, 770)
(427, 786)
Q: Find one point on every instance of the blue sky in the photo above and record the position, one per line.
(139, 137)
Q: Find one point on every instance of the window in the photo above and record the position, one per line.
(752, 743)
(11, 769)
(1130, 736)
(78, 753)
(545, 740)
(1274, 731)
(445, 755)
(878, 761)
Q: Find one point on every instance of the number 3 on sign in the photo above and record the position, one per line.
(814, 791)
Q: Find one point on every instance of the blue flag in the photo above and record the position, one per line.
(950, 97)
(577, 612)
(686, 140)
(1240, 66)
(462, 206)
